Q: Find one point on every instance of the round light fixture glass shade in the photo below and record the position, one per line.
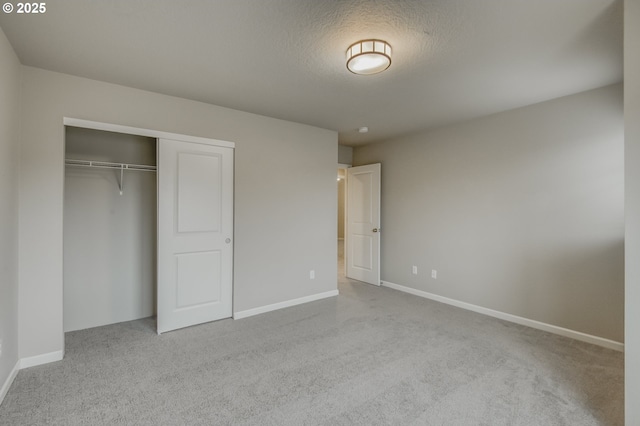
(368, 57)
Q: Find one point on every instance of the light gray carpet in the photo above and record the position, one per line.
(370, 356)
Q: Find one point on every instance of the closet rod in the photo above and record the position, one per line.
(109, 165)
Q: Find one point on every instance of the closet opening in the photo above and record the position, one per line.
(110, 228)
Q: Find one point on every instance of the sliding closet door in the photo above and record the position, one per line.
(195, 230)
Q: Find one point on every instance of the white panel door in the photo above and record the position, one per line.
(195, 230)
(363, 223)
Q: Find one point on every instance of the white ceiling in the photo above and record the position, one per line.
(452, 59)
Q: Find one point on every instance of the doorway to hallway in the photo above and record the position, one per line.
(341, 219)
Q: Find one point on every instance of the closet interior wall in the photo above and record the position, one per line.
(109, 238)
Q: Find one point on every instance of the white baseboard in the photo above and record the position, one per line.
(611, 344)
(7, 383)
(32, 361)
(285, 304)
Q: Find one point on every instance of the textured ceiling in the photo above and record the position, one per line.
(452, 59)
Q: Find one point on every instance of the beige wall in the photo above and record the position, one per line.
(345, 154)
(520, 212)
(9, 154)
(632, 203)
(275, 246)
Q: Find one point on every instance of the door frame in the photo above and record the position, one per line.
(344, 201)
(137, 131)
(96, 125)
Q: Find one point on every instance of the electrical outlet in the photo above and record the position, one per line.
(414, 270)
(434, 274)
(312, 274)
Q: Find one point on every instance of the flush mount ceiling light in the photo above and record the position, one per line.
(368, 57)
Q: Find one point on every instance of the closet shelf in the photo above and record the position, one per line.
(109, 165)
(113, 166)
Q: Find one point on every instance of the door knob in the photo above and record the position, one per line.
(376, 229)
(228, 240)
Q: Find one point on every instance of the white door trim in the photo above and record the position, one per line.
(342, 166)
(96, 125)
